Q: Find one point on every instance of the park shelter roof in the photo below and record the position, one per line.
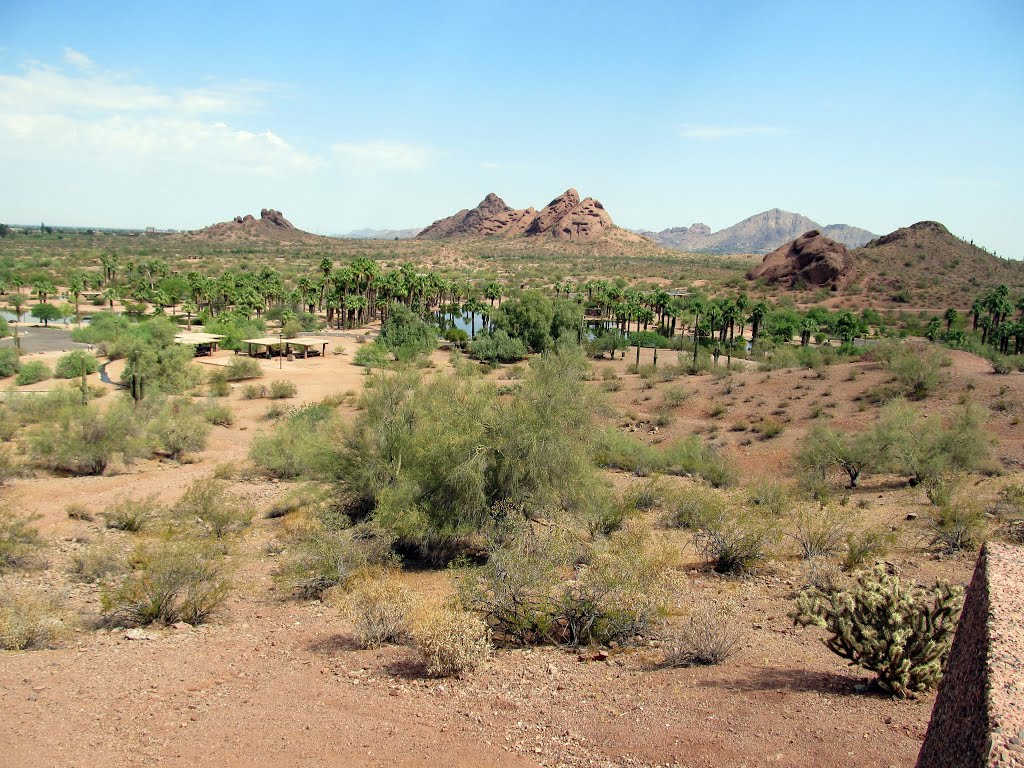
(197, 338)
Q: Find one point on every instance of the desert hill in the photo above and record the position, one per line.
(932, 265)
(760, 233)
(271, 225)
(567, 217)
(368, 233)
(923, 264)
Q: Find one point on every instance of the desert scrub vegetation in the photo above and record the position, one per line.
(321, 557)
(735, 540)
(213, 507)
(916, 367)
(133, 514)
(379, 608)
(900, 632)
(706, 637)
(903, 441)
(281, 389)
(304, 444)
(74, 364)
(30, 618)
(688, 456)
(32, 373)
(21, 546)
(170, 581)
(99, 562)
(542, 585)
(241, 368)
(451, 642)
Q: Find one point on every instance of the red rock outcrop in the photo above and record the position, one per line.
(812, 259)
(566, 217)
(274, 217)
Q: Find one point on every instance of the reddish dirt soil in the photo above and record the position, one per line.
(275, 682)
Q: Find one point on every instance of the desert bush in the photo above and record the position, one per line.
(735, 541)
(78, 511)
(452, 642)
(21, 546)
(218, 414)
(30, 619)
(691, 456)
(133, 514)
(70, 366)
(406, 334)
(281, 389)
(254, 391)
(917, 368)
(819, 532)
(901, 633)
(921, 447)
(84, 440)
(497, 347)
(769, 495)
(177, 427)
(529, 592)
(617, 450)
(241, 368)
(379, 608)
(676, 396)
(10, 364)
(99, 562)
(691, 506)
(708, 636)
(170, 581)
(32, 372)
(956, 526)
(373, 355)
(647, 495)
(210, 503)
(217, 384)
(302, 445)
(825, 449)
(865, 545)
(318, 558)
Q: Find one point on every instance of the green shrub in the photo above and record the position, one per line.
(769, 495)
(170, 581)
(865, 545)
(218, 414)
(497, 347)
(254, 391)
(819, 532)
(211, 504)
(373, 355)
(133, 514)
(241, 368)
(30, 619)
(736, 541)
(99, 563)
(20, 543)
(690, 456)
(524, 595)
(83, 440)
(901, 633)
(32, 373)
(956, 526)
(178, 427)
(70, 366)
(217, 384)
(10, 364)
(318, 559)
(302, 445)
(281, 389)
(692, 506)
(406, 334)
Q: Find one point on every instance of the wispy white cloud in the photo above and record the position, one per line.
(712, 132)
(53, 108)
(383, 154)
(78, 59)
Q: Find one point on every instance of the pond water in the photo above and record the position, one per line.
(27, 319)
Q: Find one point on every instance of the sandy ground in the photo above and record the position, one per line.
(274, 682)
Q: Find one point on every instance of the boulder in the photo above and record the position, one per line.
(585, 221)
(812, 259)
(552, 213)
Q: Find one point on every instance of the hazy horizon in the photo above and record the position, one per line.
(345, 118)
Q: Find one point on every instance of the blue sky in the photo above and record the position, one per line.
(344, 115)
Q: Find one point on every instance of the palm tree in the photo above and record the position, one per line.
(493, 292)
(757, 315)
(189, 308)
(950, 316)
(473, 307)
(75, 287)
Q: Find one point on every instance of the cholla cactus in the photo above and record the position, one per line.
(900, 632)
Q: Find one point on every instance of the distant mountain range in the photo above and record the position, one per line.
(380, 234)
(761, 233)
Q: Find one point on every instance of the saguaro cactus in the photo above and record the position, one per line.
(138, 387)
(900, 632)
